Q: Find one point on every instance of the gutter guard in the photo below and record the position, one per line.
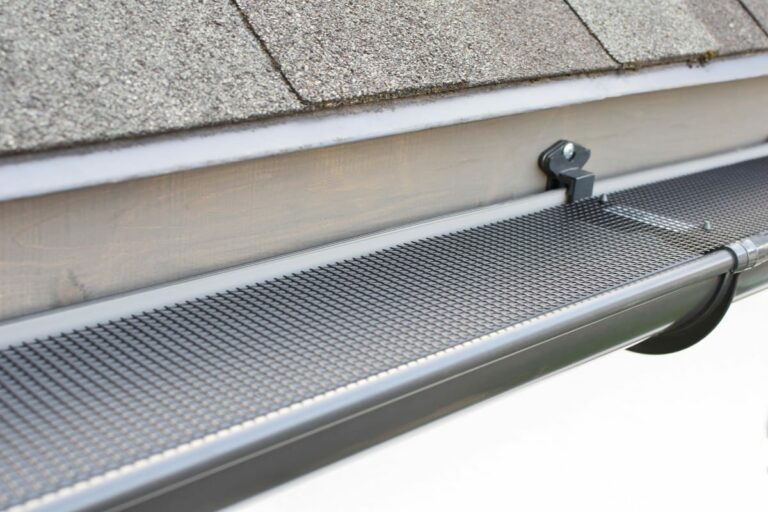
(116, 412)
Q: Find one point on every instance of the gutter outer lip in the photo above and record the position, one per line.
(299, 419)
(112, 163)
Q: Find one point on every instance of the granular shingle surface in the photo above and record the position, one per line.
(759, 9)
(340, 51)
(730, 24)
(637, 31)
(85, 70)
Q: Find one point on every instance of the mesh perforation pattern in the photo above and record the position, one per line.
(79, 404)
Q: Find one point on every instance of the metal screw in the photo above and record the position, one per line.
(707, 226)
(604, 199)
(569, 150)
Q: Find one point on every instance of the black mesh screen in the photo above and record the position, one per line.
(81, 403)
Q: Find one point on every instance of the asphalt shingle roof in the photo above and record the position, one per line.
(382, 47)
(637, 32)
(89, 70)
(83, 70)
(730, 24)
(759, 9)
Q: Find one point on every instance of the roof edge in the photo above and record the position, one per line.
(56, 171)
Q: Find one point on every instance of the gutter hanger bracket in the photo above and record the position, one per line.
(563, 162)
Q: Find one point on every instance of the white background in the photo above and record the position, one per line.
(687, 431)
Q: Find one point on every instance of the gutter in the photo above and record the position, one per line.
(29, 176)
(77, 316)
(281, 441)
(395, 388)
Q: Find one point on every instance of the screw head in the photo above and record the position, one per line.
(569, 150)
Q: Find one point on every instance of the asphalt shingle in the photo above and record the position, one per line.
(759, 9)
(643, 31)
(342, 51)
(731, 25)
(90, 70)
(85, 70)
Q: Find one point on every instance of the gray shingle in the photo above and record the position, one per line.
(759, 9)
(337, 51)
(86, 70)
(730, 24)
(90, 70)
(641, 31)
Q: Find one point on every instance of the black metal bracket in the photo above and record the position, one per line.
(563, 162)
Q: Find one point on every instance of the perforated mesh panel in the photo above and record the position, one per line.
(79, 404)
